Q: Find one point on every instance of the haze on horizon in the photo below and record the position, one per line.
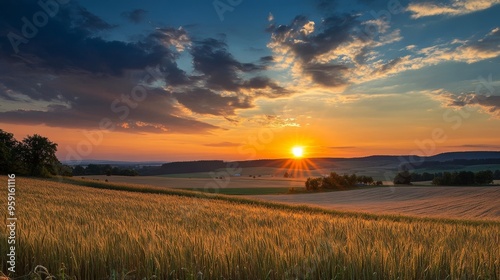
(238, 80)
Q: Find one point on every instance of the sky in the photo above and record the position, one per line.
(240, 79)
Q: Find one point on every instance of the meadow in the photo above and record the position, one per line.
(83, 229)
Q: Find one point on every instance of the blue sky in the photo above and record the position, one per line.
(225, 69)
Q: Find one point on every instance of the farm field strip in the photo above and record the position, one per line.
(425, 201)
(91, 233)
(201, 183)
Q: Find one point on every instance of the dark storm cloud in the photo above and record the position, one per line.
(136, 16)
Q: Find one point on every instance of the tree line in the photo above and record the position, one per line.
(464, 178)
(35, 155)
(419, 177)
(103, 169)
(457, 178)
(457, 162)
(335, 181)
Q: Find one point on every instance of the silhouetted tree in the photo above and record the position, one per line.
(78, 170)
(335, 181)
(463, 178)
(39, 156)
(484, 177)
(313, 184)
(9, 149)
(403, 177)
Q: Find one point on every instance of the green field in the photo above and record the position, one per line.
(86, 229)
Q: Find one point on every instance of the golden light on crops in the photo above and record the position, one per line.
(298, 151)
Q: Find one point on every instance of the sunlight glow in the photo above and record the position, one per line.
(298, 151)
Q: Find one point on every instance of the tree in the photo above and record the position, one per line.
(39, 156)
(403, 177)
(8, 153)
(484, 177)
(313, 184)
(78, 170)
(496, 175)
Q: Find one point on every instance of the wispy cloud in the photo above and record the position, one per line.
(342, 148)
(135, 16)
(223, 144)
(489, 104)
(478, 146)
(333, 53)
(451, 8)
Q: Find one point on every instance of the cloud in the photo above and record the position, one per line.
(275, 121)
(205, 101)
(83, 100)
(333, 53)
(219, 71)
(223, 144)
(176, 37)
(489, 104)
(135, 16)
(478, 146)
(451, 8)
(70, 42)
(68, 75)
(342, 148)
(218, 67)
(466, 51)
(297, 43)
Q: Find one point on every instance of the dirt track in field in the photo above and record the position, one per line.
(449, 202)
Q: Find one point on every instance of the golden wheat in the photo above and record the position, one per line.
(89, 233)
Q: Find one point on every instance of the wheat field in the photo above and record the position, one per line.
(77, 232)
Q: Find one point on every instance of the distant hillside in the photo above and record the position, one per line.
(455, 159)
(464, 155)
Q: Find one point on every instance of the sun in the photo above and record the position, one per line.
(298, 151)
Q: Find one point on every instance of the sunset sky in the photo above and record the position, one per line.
(244, 79)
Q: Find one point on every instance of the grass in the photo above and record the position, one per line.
(250, 191)
(120, 231)
(202, 183)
